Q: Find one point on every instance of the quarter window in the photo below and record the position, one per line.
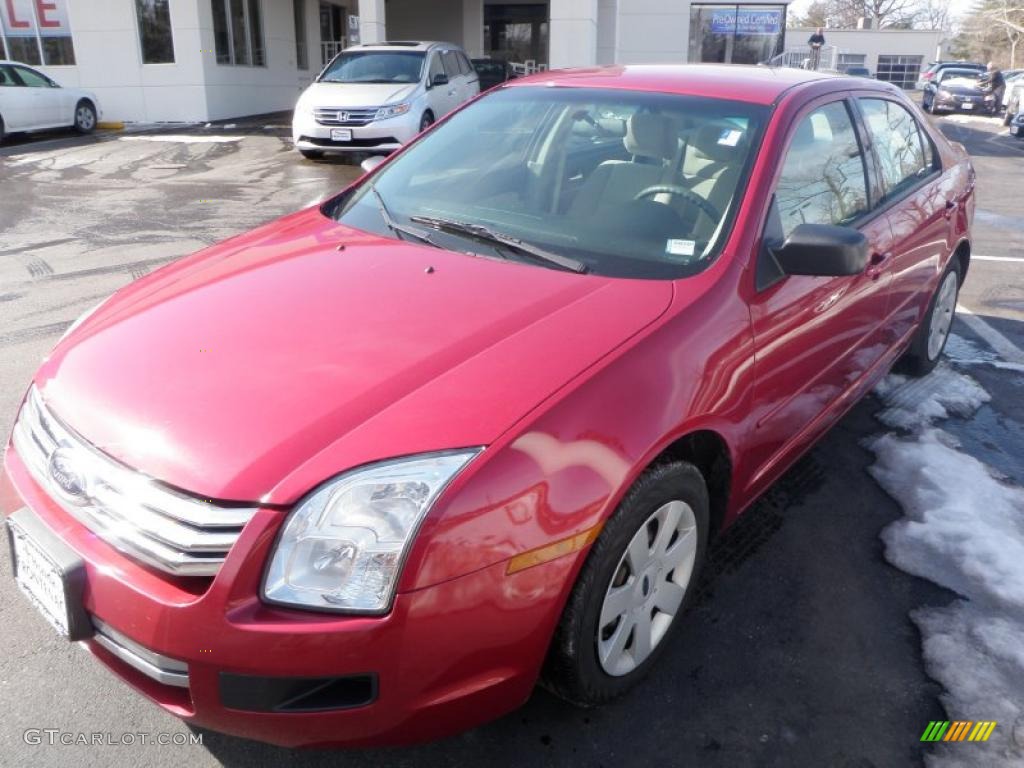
(155, 37)
(823, 177)
(898, 144)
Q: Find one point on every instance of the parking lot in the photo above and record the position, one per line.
(800, 649)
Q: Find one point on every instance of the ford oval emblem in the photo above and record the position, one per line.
(69, 482)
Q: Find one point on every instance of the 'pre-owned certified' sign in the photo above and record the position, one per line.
(22, 18)
(727, 21)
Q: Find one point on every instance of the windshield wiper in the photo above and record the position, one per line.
(394, 226)
(487, 235)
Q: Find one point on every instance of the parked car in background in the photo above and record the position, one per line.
(958, 90)
(378, 96)
(1016, 122)
(492, 72)
(32, 101)
(1013, 96)
(858, 72)
(936, 67)
(366, 473)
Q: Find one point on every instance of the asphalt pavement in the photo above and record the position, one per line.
(799, 650)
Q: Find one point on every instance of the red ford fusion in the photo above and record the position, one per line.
(368, 473)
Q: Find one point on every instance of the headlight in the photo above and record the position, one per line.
(394, 110)
(989, 97)
(943, 93)
(343, 547)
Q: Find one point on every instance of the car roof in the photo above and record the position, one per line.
(754, 84)
(406, 45)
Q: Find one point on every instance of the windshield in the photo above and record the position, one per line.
(969, 76)
(627, 183)
(375, 67)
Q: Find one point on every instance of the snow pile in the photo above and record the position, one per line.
(964, 530)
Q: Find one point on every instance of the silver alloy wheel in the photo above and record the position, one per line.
(85, 119)
(647, 588)
(942, 315)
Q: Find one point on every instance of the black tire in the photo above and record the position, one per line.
(311, 154)
(3, 133)
(573, 670)
(426, 121)
(917, 361)
(85, 116)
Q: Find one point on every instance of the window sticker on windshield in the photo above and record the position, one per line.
(730, 137)
(680, 247)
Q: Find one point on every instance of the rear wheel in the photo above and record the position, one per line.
(633, 588)
(85, 117)
(932, 334)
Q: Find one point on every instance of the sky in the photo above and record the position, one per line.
(958, 7)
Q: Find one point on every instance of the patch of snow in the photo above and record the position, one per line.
(183, 138)
(964, 530)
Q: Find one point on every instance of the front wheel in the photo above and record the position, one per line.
(634, 586)
(426, 121)
(930, 339)
(85, 117)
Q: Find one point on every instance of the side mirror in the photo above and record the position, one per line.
(439, 79)
(822, 250)
(371, 163)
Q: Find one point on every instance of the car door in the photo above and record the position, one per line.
(16, 104)
(471, 78)
(442, 97)
(922, 205)
(45, 98)
(816, 338)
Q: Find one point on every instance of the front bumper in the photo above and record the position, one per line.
(446, 658)
(377, 136)
(962, 104)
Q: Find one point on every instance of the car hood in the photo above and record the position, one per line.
(355, 94)
(225, 372)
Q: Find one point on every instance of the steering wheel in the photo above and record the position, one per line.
(687, 194)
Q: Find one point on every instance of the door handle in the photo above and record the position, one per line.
(876, 264)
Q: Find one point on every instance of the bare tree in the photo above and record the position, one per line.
(1010, 19)
(883, 13)
(934, 14)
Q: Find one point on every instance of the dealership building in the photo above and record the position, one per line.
(198, 60)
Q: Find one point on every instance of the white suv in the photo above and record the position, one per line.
(376, 97)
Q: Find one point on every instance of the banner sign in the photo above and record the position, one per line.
(22, 18)
(728, 20)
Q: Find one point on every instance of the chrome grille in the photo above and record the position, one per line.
(130, 511)
(355, 116)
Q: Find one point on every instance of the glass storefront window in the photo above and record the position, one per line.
(736, 34)
(36, 33)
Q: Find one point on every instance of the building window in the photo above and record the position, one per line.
(155, 37)
(736, 34)
(301, 49)
(844, 60)
(899, 70)
(36, 32)
(238, 32)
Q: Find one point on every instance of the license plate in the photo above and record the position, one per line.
(49, 574)
(967, 105)
(341, 134)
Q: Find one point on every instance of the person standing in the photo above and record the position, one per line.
(994, 82)
(816, 41)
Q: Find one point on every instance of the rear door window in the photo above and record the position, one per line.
(903, 154)
(451, 65)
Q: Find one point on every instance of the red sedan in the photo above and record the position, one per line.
(369, 472)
